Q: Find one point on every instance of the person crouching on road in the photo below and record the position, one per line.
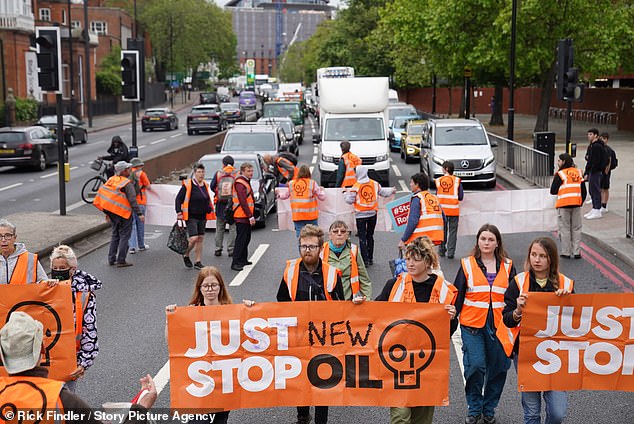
(117, 199)
(364, 195)
(341, 253)
(17, 265)
(21, 351)
(83, 286)
(308, 278)
(141, 184)
(304, 193)
(419, 284)
(243, 210)
(449, 192)
(425, 214)
(541, 275)
(193, 204)
(283, 168)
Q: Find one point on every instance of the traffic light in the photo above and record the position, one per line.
(130, 78)
(565, 56)
(573, 91)
(138, 45)
(49, 58)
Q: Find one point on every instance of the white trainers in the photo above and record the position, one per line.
(144, 247)
(132, 251)
(594, 214)
(604, 210)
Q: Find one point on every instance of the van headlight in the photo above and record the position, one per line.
(327, 158)
(438, 160)
(256, 196)
(488, 161)
(381, 158)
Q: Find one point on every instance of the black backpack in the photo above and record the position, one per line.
(614, 162)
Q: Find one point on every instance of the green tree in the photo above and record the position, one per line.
(108, 77)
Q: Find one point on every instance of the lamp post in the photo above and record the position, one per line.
(87, 62)
(511, 114)
(71, 68)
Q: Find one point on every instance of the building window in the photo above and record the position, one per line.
(63, 16)
(76, 24)
(45, 14)
(99, 27)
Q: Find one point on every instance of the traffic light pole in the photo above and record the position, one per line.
(61, 158)
(568, 127)
(134, 106)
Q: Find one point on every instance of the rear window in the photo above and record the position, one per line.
(249, 142)
(280, 110)
(204, 110)
(229, 106)
(460, 136)
(401, 111)
(155, 112)
(12, 136)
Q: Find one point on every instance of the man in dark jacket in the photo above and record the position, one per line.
(594, 171)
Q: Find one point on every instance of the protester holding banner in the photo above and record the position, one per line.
(83, 286)
(570, 188)
(364, 195)
(17, 265)
(304, 193)
(482, 281)
(449, 192)
(425, 214)
(541, 275)
(418, 284)
(308, 278)
(341, 253)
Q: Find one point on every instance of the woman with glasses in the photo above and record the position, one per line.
(15, 259)
(341, 253)
(83, 285)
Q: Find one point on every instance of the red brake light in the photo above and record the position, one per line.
(26, 146)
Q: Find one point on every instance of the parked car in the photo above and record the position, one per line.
(160, 117)
(247, 100)
(397, 127)
(411, 139)
(34, 147)
(74, 129)
(464, 142)
(231, 112)
(253, 138)
(208, 98)
(289, 131)
(263, 183)
(205, 118)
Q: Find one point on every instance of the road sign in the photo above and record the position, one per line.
(250, 63)
(467, 72)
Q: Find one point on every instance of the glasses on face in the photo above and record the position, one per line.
(339, 231)
(213, 286)
(308, 247)
(7, 236)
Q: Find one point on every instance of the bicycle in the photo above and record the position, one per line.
(90, 188)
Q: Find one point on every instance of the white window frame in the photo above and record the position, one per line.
(63, 16)
(76, 24)
(45, 14)
(103, 30)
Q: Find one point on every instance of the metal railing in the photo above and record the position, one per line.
(523, 161)
(629, 211)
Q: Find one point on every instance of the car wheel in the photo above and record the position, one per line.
(261, 224)
(143, 129)
(189, 132)
(176, 125)
(84, 139)
(41, 164)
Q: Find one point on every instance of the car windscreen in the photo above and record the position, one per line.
(280, 110)
(399, 111)
(460, 136)
(229, 107)
(354, 129)
(416, 129)
(400, 123)
(249, 142)
(214, 165)
(247, 95)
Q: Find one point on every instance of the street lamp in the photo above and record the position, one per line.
(511, 117)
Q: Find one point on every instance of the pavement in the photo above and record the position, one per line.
(41, 232)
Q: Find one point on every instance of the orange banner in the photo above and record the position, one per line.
(53, 307)
(577, 342)
(309, 353)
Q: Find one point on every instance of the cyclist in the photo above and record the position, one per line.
(117, 151)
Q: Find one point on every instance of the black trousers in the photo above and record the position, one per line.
(365, 228)
(121, 230)
(241, 247)
(321, 413)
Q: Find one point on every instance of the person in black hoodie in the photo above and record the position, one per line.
(118, 151)
(594, 171)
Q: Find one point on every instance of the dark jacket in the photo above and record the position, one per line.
(118, 153)
(594, 157)
(199, 201)
(310, 287)
(414, 211)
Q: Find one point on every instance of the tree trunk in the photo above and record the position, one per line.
(462, 103)
(496, 117)
(544, 104)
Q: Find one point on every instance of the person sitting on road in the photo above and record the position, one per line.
(17, 265)
(118, 151)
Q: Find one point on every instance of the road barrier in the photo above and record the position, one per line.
(523, 161)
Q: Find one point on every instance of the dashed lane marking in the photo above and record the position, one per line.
(48, 175)
(404, 188)
(397, 171)
(72, 207)
(11, 186)
(142, 147)
(314, 160)
(160, 140)
(176, 135)
(242, 275)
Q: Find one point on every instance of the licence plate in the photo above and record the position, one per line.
(155, 119)
(203, 118)
(464, 173)
(7, 151)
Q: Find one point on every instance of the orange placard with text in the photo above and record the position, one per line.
(309, 353)
(577, 342)
(53, 307)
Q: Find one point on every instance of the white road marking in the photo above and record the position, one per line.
(316, 150)
(456, 340)
(314, 159)
(10, 186)
(162, 377)
(397, 171)
(311, 169)
(176, 135)
(72, 207)
(142, 147)
(275, 230)
(48, 175)
(242, 275)
(160, 140)
(72, 168)
(404, 188)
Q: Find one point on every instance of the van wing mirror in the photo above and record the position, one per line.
(316, 138)
(494, 142)
(218, 148)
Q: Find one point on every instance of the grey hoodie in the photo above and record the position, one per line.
(7, 265)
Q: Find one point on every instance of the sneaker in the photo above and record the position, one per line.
(188, 262)
(304, 420)
(472, 419)
(218, 253)
(199, 265)
(441, 254)
(132, 251)
(237, 267)
(144, 247)
(488, 420)
(604, 210)
(577, 256)
(594, 214)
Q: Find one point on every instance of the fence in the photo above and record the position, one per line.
(589, 116)
(523, 161)
(629, 211)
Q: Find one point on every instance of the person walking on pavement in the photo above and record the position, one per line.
(607, 173)
(193, 204)
(482, 280)
(83, 286)
(222, 186)
(282, 167)
(17, 265)
(364, 195)
(304, 193)
(541, 275)
(341, 253)
(346, 174)
(425, 214)
(141, 184)
(27, 386)
(570, 188)
(117, 152)
(450, 194)
(308, 278)
(243, 207)
(117, 199)
(595, 165)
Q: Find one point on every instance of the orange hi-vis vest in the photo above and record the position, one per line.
(33, 396)
(226, 188)
(188, 194)
(81, 303)
(111, 197)
(354, 265)
(291, 277)
(303, 203)
(447, 193)
(367, 196)
(403, 290)
(430, 222)
(285, 172)
(351, 161)
(569, 193)
(141, 199)
(237, 210)
(25, 271)
(480, 295)
(508, 336)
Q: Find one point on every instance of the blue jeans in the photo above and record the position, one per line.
(556, 405)
(301, 224)
(137, 238)
(485, 366)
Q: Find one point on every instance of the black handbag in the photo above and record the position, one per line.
(177, 239)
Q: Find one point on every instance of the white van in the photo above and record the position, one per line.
(462, 141)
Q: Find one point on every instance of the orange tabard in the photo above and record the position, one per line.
(351, 161)
(569, 193)
(354, 265)
(303, 203)
(367, 196)
(403, 290)
(237, 210)
(188, 194)
(430, 222)
(111, 197)
(25, 271)
(447, 192)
